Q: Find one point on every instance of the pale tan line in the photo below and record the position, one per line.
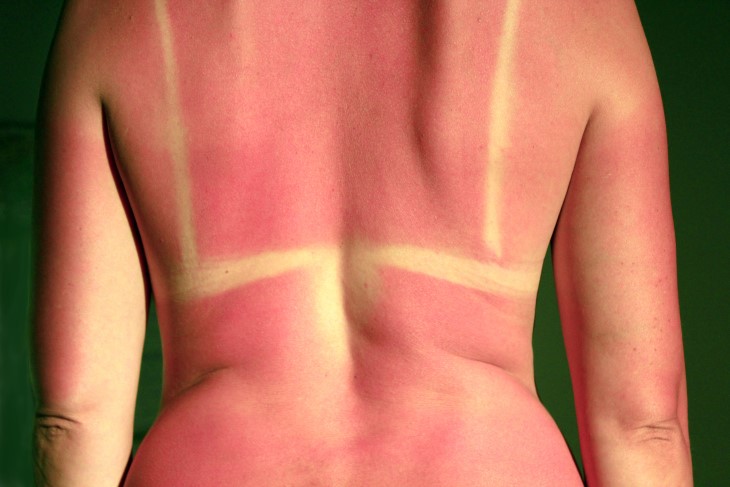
(329, 305)
(214, 277)
(498, 141)
(176, 138)
(466, 272)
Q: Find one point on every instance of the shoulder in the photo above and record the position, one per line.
(597, 48)
(72, 64)
(92, 35)
(96, 43)
(618, 62)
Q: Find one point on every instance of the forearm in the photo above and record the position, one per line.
(655, 454)
(69, 452)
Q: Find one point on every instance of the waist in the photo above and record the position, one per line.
(419, 330)
(373, 430)
(380, 372)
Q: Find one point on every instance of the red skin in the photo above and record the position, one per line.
(340, 128)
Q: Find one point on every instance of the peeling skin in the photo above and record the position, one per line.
(499, 124)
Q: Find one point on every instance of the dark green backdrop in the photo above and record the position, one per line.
(689, 41)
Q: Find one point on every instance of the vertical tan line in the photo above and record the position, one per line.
(176, 139)
(329, 306)
(498, 137)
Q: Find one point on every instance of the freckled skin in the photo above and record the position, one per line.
(344, 210)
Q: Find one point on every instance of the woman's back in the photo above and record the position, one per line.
(344, 209)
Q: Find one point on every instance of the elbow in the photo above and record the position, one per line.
(53, 439)
(654, 453)
(665, 431)
(53, 427)
(657, 426)
(642, 410)
(661, 452)
(79, 451)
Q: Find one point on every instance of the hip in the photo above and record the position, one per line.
(220, 432)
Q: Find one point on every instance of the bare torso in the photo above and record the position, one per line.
(345, 209)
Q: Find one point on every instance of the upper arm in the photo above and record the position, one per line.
(90, 292)
(614, 248)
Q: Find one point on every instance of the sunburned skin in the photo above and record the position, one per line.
(222, 275)
(345, 212)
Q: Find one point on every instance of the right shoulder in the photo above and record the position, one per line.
(79, 38)
(95, 40)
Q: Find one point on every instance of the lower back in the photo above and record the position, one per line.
(226, 430)
(427, 384)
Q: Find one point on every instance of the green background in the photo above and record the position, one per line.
(689, 42)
